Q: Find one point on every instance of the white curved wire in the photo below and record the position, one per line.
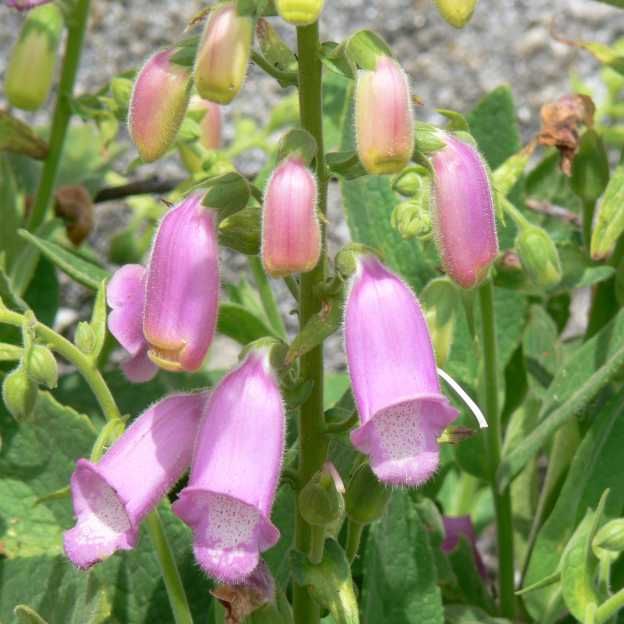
(474, 408)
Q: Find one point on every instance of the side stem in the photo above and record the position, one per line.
(312, 440)
(76, 27)
(169, 570)
(266, 296)
(502, 501)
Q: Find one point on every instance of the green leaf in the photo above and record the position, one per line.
(43, 292)
(587, 371)
(400, 585)
(464, 614)
(578, 565)
(578, 271)
(38, 458)
(590, 167)
(82, 271)
(329, 582)
(238, 323)
(9, 211)
(596, 467)
(365, 47)
(615, 3)
(494, 126)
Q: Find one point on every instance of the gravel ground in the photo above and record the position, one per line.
(506, 41)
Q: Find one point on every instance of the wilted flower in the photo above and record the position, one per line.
(393, 374)
(384, 128)
(291, 233)
(463, 212)
(235, 471)
(112, 497)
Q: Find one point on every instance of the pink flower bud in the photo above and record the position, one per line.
(182, 287)
(383, 118)
(393, 374)
(235, 471)
(111, 497)
(210, 122)
(454, 529)
(223, 54)
(157, 106)
(463, 212)
(291, 234)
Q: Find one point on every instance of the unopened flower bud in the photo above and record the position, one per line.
(427, 138)
(456, 12)
(223, 54)
(609, 540)
(539, 256)
(367, 498)
(463, 212)
(30, 70)
(411, 218)
(291, 233)
(19, 394)
(383, 118)
(609, 223)
(209, 117)
(42, 367)
(85, 338)
(159, 100)
(300, 12)
(320, 501)
(410, 181)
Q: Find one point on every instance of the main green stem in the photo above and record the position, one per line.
(171, 575)
(502, 500)
(312, 440)
(76, 27)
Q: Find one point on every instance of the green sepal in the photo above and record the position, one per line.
(297, 142)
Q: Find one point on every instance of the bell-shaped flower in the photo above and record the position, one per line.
(125, 295)
(223, 54)
(463, 212)
(158, 103)
(393, 375)
(182, 287)
(291, 233)
(235, 471)
(384, 128)
(111, 497)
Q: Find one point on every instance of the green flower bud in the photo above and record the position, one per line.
(412, 218)
(456, 12)
(19, 394)
(300, 12)
(609, 223)
(539, 257)
(410, 181)
(320, 501)
(30, 70)
(366, 498)
(609, 540)
(42, 367)
(85, 338)
(427, 138)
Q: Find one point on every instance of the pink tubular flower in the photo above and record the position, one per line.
(393, 374)
(291, 234)
(235, 471)
(182, 287)
(223, 54)
(125, 295)
(25, 5)
(463, 212)
(456, 527)
(112, 497)
(384, 128)
(210, 122)
(157, 106)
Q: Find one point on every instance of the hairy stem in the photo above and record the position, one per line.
(502, 500)
(76, 27)
(312, 440)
